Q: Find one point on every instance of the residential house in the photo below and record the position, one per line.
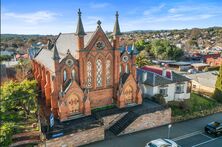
(203, 82)
(154, 80)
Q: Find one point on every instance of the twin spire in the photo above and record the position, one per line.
(80, 30)
(116, 30)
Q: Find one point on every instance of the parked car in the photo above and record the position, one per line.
(161, 143)
(214, 128)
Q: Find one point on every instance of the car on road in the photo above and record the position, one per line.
(214, 128)
(161, 143)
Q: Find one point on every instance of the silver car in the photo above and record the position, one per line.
(161, 143)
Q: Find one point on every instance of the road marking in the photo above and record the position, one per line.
(187, 135)
(207, 136)
(206, 142)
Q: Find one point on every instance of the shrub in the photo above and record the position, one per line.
(218, 95)
(7, 130)
(184, 105)
(159, 99)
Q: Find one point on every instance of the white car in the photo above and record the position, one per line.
(161, 143)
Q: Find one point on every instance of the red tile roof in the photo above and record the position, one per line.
(156, 70)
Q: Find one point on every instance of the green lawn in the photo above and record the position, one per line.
(196, 103)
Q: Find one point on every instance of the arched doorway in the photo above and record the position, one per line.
(73, 104)
(128, 93)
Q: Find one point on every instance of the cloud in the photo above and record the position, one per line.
(32, 18)
(154, 9)
(99, 5)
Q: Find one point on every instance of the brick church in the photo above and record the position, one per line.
(81, 71)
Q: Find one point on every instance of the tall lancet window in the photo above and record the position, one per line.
(73, 74)
(89, 74)
(108, 72)
(98, 73)
(64, 75)
(127, 69)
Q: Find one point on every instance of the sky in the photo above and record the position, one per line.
(55, 16)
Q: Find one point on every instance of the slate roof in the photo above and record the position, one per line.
(64, 42)
(154, 79)
(124, 77)
(131, 50)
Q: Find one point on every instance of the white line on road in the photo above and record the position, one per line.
(206, 142)
(187, 135)
(207, 136)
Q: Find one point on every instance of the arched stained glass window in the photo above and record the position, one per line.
(108, 72)
(64, 75)
(73, 74)
(89, 74)
(98, 73)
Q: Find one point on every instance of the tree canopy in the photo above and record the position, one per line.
(160, 49)
(142, 59)
(18, 99)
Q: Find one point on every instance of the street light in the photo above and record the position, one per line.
(169, 126)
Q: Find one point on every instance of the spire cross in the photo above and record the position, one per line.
(117, 14)
(79, 12)
(99, 22)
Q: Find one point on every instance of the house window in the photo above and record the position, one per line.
(64, 75)
(180, 88)
(89, 74)
(163, 92)
(73, 74)
(98, 73)
(108, 72)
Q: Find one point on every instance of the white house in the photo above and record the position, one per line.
(154, 80)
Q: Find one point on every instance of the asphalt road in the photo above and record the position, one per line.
(187, 134)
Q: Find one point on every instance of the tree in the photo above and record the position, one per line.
(218, 87)
(142, 59)
(7, 130)
(18, 99)
(5, 58)
(163, 49)
(22, 69)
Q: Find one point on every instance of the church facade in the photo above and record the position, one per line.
(81, 71)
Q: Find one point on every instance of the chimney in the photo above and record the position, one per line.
(144, 76)
(164, 71)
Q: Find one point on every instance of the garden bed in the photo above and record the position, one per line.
(196, 106)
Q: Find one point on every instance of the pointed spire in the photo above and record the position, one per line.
(99, 23)
(55, 54)
(116, 30)
(80, 30)
(68, 51)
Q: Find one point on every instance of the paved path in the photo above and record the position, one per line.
(187, 134)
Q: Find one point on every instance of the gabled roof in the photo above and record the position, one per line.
(155, 79)
(131, 50)
(65, 42)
